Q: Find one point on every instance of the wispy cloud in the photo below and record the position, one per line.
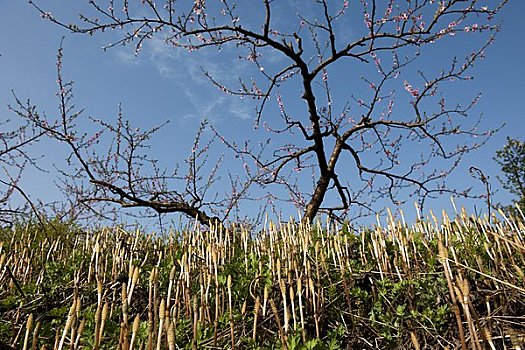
(127, 56)
(186, 70)
(162, 57)
(241, 109)
(205, 106)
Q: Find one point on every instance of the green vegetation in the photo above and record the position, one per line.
(434, 284)
(511, 158)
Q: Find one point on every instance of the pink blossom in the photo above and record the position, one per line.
(388, 10)
(472, 28)
(280, 102)
(368, 22)
(390, 106)
(413, 91)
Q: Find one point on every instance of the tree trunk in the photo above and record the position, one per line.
(317, 199)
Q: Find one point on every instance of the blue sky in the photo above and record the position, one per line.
(166, 84)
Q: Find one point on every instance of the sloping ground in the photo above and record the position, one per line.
(434, 284)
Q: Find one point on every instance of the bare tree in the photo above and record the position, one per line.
(124, 174)
(353, 143)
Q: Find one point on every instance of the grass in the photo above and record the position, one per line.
(432, 284)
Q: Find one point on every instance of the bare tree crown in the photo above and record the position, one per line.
(349, 137)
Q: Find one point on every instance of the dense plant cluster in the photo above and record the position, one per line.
(429, 285)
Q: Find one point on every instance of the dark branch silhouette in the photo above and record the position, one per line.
(356, 149)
